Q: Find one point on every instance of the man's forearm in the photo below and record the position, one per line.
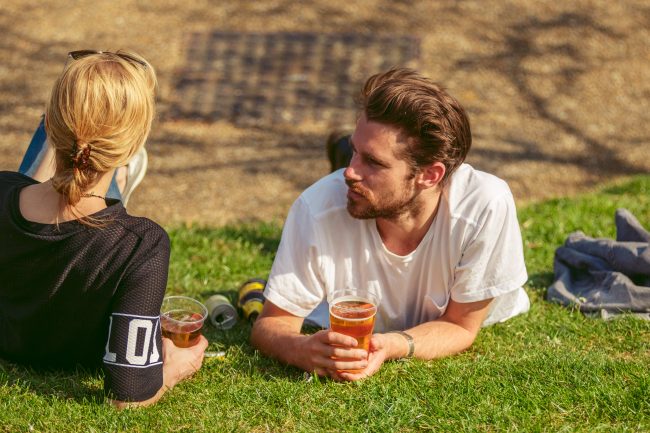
(435, 339)
(452, 333)
(274, 338)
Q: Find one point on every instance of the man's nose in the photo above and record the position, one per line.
(351, 172)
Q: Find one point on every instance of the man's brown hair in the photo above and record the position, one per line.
(435, 125)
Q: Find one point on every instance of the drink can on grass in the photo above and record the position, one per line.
(223, 315)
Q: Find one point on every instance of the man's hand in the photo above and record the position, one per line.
(276, 333)
(380, 349)
(327, 352)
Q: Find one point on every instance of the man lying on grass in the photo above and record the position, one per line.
(436, 238)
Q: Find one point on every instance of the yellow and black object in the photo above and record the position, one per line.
(251, 298)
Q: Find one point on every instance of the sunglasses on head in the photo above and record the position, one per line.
(76, 55)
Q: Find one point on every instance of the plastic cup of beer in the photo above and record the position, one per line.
(181, 320)
(352, 313)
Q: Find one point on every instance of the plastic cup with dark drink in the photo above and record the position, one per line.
(181, 320)
(352, 313)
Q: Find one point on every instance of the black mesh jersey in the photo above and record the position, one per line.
(74, 294)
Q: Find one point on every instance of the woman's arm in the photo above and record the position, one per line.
(178, 364)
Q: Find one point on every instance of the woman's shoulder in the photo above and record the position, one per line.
(144, 228)
(12, 178)
(9, 182)
(145, 242)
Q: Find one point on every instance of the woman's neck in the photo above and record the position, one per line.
(41, 203)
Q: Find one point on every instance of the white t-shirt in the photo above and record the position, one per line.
(472, 251)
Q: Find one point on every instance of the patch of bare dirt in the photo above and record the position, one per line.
(558, 92)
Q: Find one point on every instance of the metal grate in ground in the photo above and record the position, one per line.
(275, 78)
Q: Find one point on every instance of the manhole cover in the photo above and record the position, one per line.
(274, 78)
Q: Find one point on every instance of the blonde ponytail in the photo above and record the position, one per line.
(99, 114)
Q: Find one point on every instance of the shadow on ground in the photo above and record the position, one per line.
(81, 385)
(558, 95)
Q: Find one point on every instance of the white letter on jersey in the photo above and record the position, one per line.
(155, 355)
(132, 340)
(109, 356)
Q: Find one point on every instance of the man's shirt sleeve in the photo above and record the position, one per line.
(492, 262)
(294, 283)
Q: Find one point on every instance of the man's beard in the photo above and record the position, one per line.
(387, 207)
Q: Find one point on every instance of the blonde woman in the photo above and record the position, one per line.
(81, 280)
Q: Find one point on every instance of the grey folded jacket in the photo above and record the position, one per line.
(603, 275)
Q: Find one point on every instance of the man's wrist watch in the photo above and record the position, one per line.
(409, 340)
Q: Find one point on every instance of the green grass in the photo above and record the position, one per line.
(550, 370)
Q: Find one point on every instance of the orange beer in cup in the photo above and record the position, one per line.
(354, 316)
(181, 320)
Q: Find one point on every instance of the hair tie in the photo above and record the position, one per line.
(80, 160)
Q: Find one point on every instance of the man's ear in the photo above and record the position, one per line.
(431, 175)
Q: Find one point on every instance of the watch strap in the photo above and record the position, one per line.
(409, 340)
